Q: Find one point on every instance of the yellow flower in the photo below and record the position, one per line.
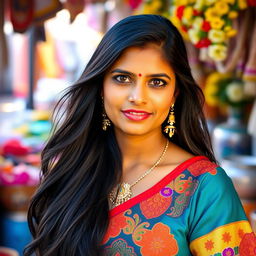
(210, 92)
(197, 24)
(216, 36)
(232, 14)
(209, 2)
(211, 14)
(216, 76)
(229, 1)
(212, 87)
(193, 35)
(213, 77)
(222, 7)
(181, 2)
(188, 12)
(216, 23)
(174, 19)
(147, 9)
(217, 52)
(231, 33)
(210, 98)
(199, 5)
(242, 4)
(187, 15)
(191, 1)
(156, 5)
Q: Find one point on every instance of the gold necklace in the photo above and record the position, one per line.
(123, 191)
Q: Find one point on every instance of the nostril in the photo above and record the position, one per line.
(136, 100)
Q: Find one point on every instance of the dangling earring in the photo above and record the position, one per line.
(105, 120)
(170, 128)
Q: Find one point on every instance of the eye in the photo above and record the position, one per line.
(124, 79)
(156, 82)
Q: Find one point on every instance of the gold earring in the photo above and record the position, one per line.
(170, 128)
(105, 122)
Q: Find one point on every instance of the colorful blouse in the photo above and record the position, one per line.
(194, 210)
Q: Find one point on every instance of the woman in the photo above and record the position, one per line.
(130, 169)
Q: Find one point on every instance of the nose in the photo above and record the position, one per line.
(138, 94)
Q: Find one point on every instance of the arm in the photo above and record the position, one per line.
(218, 225)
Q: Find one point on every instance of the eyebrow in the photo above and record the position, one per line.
(132, 74)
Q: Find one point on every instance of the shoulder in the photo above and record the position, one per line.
(200, 165)
(199, 168)
(176, 155)
(215, 187)
(210, 175)
(196, 165)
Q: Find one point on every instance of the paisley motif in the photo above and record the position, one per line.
(181, 185)
(134, 227)
(119, 247)
(182, 201)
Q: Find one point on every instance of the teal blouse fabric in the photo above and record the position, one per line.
(194, 210)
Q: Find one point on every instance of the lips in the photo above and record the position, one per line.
(136, 115)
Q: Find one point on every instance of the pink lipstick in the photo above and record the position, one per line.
(136, 115)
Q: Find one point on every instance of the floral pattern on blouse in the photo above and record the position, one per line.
(177, 217)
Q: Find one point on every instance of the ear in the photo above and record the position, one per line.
(176, 93)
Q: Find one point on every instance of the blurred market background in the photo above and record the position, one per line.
(45, 45)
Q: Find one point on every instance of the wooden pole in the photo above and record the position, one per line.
(31, 69)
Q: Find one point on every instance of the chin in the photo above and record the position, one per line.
(134, 131)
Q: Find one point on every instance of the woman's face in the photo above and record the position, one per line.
(138, 91)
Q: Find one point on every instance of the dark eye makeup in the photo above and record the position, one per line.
(125, 79)
(157, 82)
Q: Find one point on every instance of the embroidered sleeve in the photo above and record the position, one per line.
(218, 225)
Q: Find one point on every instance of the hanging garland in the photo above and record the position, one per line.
(208, 24)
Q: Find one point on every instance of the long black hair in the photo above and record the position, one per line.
(81, 163)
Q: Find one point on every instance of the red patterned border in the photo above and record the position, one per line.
(156, 188)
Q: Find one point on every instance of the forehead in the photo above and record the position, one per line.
(149, 59)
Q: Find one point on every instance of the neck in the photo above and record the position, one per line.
(140, 150)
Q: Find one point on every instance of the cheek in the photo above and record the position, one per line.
(108, 91)
(107, 98)
(164, 100)
(164, 112)
(163, 104)
(112, 98)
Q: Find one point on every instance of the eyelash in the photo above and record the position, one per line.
(117, 77)
(163, 82)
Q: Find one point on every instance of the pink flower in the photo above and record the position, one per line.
(228, 252)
